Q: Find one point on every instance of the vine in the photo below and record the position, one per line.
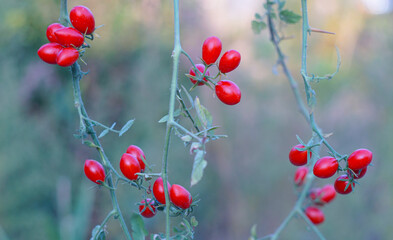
(313, 146)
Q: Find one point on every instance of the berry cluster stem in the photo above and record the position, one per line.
(309, 117)
(88, 127)
(171, 122)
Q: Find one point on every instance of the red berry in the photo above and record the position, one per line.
(327, 194)
(229, 61)
(94, 171)
(67, 57)
(325, 167)
(69, 37)
(315, 215)
(343, 185)
(356, 174)
(129, 166)
(201, 68)
(82, 19)
(50, 31)
(180, 197)
(359, 159)
(145, 211)
(138, 154)
(158, 190)
(48, 52)
(300, 175)
(211, 50)
(298, 157)
(228, 92)
(314, 194)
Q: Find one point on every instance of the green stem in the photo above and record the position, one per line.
(76, 77)
(281, 60)
(297, 208)
(110, 214)
(63, 13)
(170, 123)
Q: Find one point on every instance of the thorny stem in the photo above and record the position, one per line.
(171, 122)
(317, 133)
(76, 77)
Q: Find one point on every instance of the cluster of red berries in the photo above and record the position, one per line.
(132, 162)
(66, 43)
(178, 195)
(227, 91)
(355, 168)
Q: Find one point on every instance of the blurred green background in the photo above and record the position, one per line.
(44, 193)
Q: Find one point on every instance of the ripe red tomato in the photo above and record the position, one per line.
(325, 167)
(94, 171)
(315, 215)
(48, 52)
(67, 57)
(145, 211)
(69, 37)
(201, 68)
(322, 196)
(158, 190)
(300, 175)
(180, 197)
(359, 159)
(129, 166)
(229, 61)
(211, 50)
(82, 19)
(343, 185)
(298, 157)
(138, 154)
(357, 173)
(50, 31)
(228, 92)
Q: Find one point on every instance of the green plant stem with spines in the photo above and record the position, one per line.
(76, 77)
(87, 125)
(317, 133)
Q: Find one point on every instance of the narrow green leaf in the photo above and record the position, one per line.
(198, 167)
(176, 113)
(258, 26)
(281, 5)
(193, 221)
(103, 133)
(203, 114)
(289, 16)
(90, 144)
(258, 16)
(126, 126)
(253, 232)
(139, 231)
(188, 96)
(100, 235)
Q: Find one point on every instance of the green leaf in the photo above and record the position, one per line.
(253, 232)
(193, 221)
(289, 16)
(100, 235)
(258, 26)
(90, 144)
(126, 126)
(268, 5)
(139, 231)
(203, 114)
(176, 113)
(198, 167)
(188, 96)
(281, 5)
(258, 16)
(103, 133)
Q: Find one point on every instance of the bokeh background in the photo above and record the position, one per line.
(44, 193)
